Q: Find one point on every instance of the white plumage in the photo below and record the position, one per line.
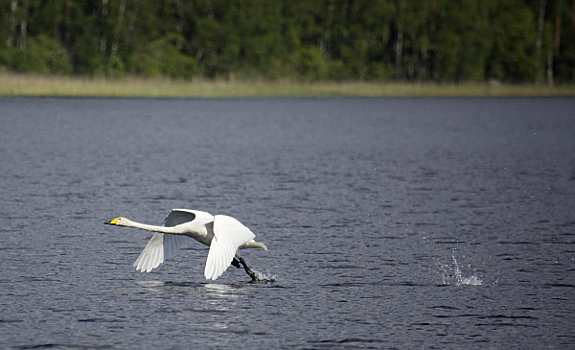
(159, 249)
(223, 234)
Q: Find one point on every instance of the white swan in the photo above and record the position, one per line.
(223, 234)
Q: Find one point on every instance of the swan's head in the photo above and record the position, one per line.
(118, 222)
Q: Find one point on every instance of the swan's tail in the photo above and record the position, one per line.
(254, 244)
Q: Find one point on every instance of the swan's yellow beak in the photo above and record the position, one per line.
(113, 222)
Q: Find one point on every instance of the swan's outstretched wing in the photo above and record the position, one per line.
(229, 234)
(178, 216)
(159, 248)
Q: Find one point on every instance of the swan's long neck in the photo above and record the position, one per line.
(154, 228)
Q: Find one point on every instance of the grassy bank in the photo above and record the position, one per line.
(32, 85)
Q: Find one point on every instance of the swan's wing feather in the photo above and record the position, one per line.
(229, 235)
(178, 216)
(159, 248)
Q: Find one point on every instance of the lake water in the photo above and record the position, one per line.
(391, 223)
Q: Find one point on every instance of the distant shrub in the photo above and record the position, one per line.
(164, 57)
(309, 63)
(41, 55)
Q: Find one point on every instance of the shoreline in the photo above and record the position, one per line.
(21, 85)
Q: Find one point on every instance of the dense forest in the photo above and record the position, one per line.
(512, 41)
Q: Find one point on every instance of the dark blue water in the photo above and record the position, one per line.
(391, 223)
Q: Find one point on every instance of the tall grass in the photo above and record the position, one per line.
(45, 85)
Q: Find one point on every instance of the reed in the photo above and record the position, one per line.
(47, 85)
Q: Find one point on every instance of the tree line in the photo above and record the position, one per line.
(516, 41)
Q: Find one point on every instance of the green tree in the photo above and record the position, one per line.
(514, 32)
(463, 41)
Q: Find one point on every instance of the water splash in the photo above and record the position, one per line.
(264, 277)
(451, 274)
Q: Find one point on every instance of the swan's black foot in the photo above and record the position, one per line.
(236, 263)
(248, 270)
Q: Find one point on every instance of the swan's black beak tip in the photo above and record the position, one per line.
(113, 222)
